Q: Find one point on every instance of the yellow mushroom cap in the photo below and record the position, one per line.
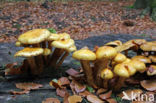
(120, 70)
(18, 44)
(106, 52)
(138, 65)
(142, 58)
(53, 36)
(127, 60)
(34, 36)
(119, 58)
(153, 58)
(84, 54)
(29, 52)
(64, 36)
(153, 71)
(139, 41)
(63, 43)
(46, 51)
(72, 48)
(114, 43)
(149, 46)
(106, 74)
(130, 68)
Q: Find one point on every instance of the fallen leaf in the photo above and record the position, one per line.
(74, 99)
(63, 81)
(105, 95)
(94, 99)
(72, 72)
(149, 85)
(55, 83)
(65, 99)
(51, 100)
(11, 65)
(13, 71)
(111, 100)
(19, 92)
(61, 92)
(130, 94)
(79, 87)
(28, 86)
(84, 93)
(100, 91)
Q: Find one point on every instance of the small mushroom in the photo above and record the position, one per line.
(104, 56)
(114, 43)
(153, 58)
(66, 53)
(142, 58)
(60, 47)
(52, 38)
(106, 74)
(123, 70)
(138, 65)
(149, 46)
(119, 58)
(86, 56)
(34, 37)
(30, 53)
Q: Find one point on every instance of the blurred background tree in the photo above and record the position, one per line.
(147, 5)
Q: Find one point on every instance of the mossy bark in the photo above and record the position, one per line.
(143, 4)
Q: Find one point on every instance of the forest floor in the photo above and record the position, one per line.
(80, 19)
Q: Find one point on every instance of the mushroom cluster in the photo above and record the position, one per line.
(42, 48)
(110, 65)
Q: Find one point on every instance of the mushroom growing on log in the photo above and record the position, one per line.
(86, 56)
(104, 56)
(30, 53)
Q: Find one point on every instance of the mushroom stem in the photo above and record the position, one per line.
(105, 83)
(55, 56)
(39, 61)
(98, 67)
(88, 72)
(120, 83)
(32, 65)
(49, 45)
(62, 59)
(44, 44)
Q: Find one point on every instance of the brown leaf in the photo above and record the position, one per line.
(79, 87)
(111, 100)
(19, 92)
(149, 85)
(55, 84)
(61, 92)
(100, 91)
(74, 99)
(132, 94)
(94, 99)
(72, 72)
(63, 81)
(28, 86)
(11, 65)
(13, 71)
(51, 100)
(65, 99)
(106, 95)
(85, 93)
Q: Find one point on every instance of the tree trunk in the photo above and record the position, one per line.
(143, 4)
